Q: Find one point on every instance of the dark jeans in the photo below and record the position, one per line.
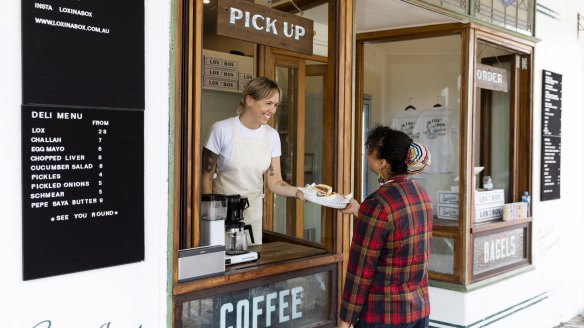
(422, 323)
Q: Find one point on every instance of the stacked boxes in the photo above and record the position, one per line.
(226, 72)
(488, 205)
(447, 205)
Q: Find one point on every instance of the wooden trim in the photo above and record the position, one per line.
(176, 193)
(503, 39)
(200, 294)
(478, 228)
(195, 110)
(278, 51)
(254, 273)
(359, 93)
(340, 52)
(515, 128)
(525, 164)
(411, 33)
(467, 156)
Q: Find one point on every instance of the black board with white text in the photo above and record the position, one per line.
(82, 135)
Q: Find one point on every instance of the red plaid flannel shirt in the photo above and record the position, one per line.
(387, 272)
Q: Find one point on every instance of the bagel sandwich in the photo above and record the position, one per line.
(323, 190)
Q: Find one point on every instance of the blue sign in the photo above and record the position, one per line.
(507, 2)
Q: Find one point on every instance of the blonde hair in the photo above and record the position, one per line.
(258, 88)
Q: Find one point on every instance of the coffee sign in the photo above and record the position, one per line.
(303, 301)
(260, 24)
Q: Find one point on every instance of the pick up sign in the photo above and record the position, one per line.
(260, 24)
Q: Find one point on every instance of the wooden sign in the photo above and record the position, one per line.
(490, 77)
(260, 24)
(499, 249)
(299, 301)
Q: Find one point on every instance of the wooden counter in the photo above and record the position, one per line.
(275, 252)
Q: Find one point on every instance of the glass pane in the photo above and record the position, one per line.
(313, 142)
(364, 131)
(513, 15)
(298, 302)
(493, 121)
(285, 124)
(415, 88)
(442, 255)
(460, 6)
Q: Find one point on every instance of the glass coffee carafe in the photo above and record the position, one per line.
(236, 238)
(235, 228)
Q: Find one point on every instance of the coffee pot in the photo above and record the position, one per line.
(235, 228)
(213, 215)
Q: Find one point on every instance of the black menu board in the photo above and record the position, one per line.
(83, 53)
(82, 135)
(551, 135)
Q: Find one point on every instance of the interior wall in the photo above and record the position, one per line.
(420, 73)
(131, 295)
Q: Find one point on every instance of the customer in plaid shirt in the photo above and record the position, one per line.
(387, 273)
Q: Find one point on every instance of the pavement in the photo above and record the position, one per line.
(577, 322)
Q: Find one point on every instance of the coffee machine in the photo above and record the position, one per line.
(236, 246)
(213, 215)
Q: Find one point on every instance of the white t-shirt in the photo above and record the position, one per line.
(220, 139)
(405, 121)
(438, 129)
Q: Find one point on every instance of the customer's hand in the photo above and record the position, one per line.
(351, 208)
(343, 324)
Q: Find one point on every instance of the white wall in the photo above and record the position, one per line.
(559, 224)
(124, 296)
(553, 292)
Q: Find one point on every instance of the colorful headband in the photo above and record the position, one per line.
(418, 158)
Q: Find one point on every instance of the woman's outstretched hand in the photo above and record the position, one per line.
(300, 195)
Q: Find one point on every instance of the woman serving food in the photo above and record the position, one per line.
(242, 149)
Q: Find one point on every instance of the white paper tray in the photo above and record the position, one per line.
(335, 200)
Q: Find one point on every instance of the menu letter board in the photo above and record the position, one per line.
(82, 135)
(551, 135)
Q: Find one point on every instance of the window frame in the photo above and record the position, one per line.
(522, 126)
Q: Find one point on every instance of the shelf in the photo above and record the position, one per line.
(492, 225)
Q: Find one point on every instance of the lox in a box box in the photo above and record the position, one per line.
(488, 205)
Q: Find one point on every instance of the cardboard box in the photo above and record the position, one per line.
(445, 197)
(488, 205)
(448, 212)
(487, 197)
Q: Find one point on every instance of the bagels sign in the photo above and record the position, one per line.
(247, 21)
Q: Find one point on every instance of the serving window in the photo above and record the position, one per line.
(463, 91)
(302, 243)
